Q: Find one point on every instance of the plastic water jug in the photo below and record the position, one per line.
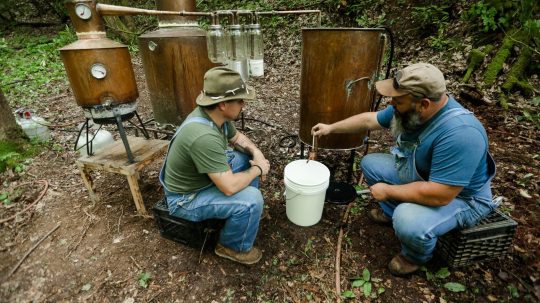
(33, 126)
(102, 138)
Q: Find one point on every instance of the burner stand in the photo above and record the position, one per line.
(111, 115)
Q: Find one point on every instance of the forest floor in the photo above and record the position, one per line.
(101, 251)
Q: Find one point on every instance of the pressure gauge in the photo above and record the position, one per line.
(83, 11)
(98, 71)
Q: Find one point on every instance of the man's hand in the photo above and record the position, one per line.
(264, 165)
(379, 191)
(321, 129)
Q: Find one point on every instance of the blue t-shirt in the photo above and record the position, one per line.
(455, 153)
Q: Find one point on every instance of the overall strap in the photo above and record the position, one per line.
(447, 115)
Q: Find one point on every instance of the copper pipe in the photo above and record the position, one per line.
(115, 10)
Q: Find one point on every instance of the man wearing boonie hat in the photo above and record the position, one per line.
(205, 179)
(437, 177)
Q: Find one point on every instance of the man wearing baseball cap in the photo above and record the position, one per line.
(205, 179)
(438, 175)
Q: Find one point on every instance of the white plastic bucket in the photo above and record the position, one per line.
(305, 188)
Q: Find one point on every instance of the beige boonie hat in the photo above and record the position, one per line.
(420, 80)
(223, 84)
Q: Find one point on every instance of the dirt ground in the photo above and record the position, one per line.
(100, 250)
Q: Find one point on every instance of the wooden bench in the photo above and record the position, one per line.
(113, 158)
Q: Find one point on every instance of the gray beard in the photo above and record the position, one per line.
(412, 123)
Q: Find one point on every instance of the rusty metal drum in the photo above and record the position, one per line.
(100, 72)
(175, 60)
(339, 69)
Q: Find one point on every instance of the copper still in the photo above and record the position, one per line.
(175, 59)
(99, 69)
(339, 69)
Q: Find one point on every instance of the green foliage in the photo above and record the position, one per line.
(31, 65)
(366, 282)
(502, 14)
(455, 287)
(10, 156)
(514, 293)
(144, 278)
(432, 15)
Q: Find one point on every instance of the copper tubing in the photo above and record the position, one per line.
(115, 10)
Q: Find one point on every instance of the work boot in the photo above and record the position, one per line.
(250, 257)
(401, 266)
(377, 215)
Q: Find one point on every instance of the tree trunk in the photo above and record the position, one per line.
(9, 129)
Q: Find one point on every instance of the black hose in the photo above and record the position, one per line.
(289, 136)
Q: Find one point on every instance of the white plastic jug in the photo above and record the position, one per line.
(34, 127)
(102, 138)
(305, 189)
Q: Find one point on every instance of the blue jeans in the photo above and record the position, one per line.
(241, 211)
(418, 226)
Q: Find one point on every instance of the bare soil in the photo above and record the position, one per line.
(101, 249)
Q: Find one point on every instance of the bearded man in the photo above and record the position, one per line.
(438, 175)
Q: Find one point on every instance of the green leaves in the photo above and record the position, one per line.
(454, 287)
(367, 283)
(144, 278)
(443, 273)
(31, 65)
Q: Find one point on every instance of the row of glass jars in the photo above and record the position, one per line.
(236, 45)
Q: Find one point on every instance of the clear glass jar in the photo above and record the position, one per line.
(237, 43)
(255, 51)
(216, 43)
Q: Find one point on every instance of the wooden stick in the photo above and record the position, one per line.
(32, 204)
(31, 250)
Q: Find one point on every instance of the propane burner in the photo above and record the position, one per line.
(107, 113)
(111, 114)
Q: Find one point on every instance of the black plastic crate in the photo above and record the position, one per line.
(199, 235)
(487, 240)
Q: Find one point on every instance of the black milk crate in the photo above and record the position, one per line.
(487, 240)
(198, 235)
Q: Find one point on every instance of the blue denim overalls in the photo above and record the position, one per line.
(242, 211)
(418, 226)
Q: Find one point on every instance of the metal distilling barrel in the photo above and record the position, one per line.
(175, 60)
(339, 69)
(99, 69)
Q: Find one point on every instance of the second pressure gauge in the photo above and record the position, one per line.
(98, 71)
(83, 11)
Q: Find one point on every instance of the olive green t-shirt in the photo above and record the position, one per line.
(198, 149)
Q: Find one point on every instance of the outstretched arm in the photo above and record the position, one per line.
(356, 123)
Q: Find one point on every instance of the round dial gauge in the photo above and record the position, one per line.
(98, 71)
(83, 11)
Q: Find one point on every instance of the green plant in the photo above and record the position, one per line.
(455, 287)
(514, 293)
(31, 65)
(366, 282)
(4, 198)
(431, 16)
(144, 278)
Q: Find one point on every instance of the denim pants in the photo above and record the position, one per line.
(242, 211)
(418, 226)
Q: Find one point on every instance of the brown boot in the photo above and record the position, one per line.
(377, 215)
(401, 266)
(250, 257)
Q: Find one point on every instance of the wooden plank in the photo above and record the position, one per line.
(114, 158)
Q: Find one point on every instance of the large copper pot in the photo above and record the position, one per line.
(339, 69)
(117, 87)
(175, 60)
